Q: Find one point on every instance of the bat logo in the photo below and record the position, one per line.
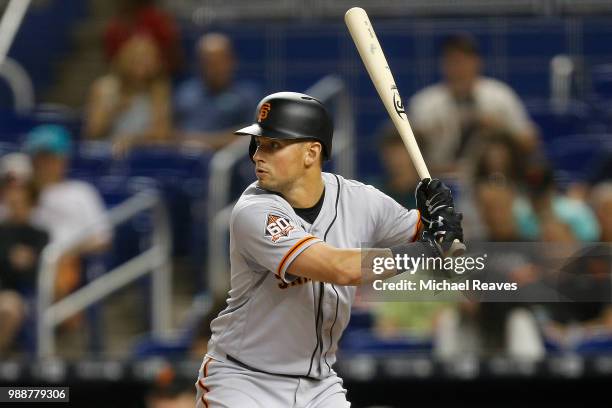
(397, 103)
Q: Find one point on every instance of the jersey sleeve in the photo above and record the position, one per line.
(394, 224)
(269, 237)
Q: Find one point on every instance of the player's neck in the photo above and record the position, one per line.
(306, 191)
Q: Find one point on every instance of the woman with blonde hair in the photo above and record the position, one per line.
(131, 105)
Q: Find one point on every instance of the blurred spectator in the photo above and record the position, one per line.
(170, 391)
(547, 212)
(143, 17)
(66, 208)
(497, 326)
(394, 319)
(14, 168)
(495, 203)
(601, 201)
(20, 248)
(400, 179)
(585, 280)
(211, 106)
(450, 114)
(131, 105)
(498, 160)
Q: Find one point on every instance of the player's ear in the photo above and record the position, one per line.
(312, 153)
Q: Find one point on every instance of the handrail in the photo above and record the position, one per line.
(155, 260)
(10, 23)
(328, 89)
(561, 70)
(20, 83)
(16, 77)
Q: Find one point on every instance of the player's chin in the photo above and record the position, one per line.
(264, 182)
(269, 185)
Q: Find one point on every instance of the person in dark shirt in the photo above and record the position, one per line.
(20, 247)
(211, 105)
(400, 176)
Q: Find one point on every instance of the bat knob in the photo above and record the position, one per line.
(457, 248)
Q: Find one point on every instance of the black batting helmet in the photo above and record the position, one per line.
(291, 115)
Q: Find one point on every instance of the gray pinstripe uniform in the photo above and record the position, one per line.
(281, 330)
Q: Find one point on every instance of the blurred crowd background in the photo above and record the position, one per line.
(118, 167)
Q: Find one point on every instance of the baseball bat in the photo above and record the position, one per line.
(373, 58)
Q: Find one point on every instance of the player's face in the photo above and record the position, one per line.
(278, 163)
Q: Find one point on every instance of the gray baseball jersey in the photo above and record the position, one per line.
(288, 325)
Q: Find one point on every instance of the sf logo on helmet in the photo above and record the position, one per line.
(263, 112)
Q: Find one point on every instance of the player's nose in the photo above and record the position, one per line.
(258, 155)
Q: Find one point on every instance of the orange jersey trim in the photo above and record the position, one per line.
(418, 229)
(203, 386)
(291, 251)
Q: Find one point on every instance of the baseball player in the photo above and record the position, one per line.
(295, 239)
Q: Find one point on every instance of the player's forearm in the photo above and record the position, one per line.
(354, 267)
(324, 263)
(383, 263)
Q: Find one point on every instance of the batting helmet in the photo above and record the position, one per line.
(291, 115)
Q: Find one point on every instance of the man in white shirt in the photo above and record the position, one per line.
(65, 208)
(450, 115)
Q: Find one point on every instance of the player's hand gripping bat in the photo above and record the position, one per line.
(376, 64)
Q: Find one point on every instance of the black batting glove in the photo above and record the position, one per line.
(432, 197)
(442, 224)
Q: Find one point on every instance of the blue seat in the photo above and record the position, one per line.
(91, 160)
(183, 179)
(599, 344)
(179, 345)
(554, 125)
(14, 126)
(365, 341)
(360, 320)
(601, 79)
(573, 156)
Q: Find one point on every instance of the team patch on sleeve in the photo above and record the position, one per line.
(277, 227)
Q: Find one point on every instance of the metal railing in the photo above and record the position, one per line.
(14, 74)
(155, 260)
(20, 84)
(10, 23)
(561, 71)
(332, 91)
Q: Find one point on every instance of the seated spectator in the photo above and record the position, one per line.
(66, 208)
(14, 168)
(495, 160)
(143, 17)
(400, 179)
(450, 114)
(131, 105)
(601, 202)
(585, 279)
(169, 390)
(547, 207)
(496, 327)
(212, 105)
(498, 160)
(20, 248)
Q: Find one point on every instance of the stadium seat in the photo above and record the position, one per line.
(365, 341)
